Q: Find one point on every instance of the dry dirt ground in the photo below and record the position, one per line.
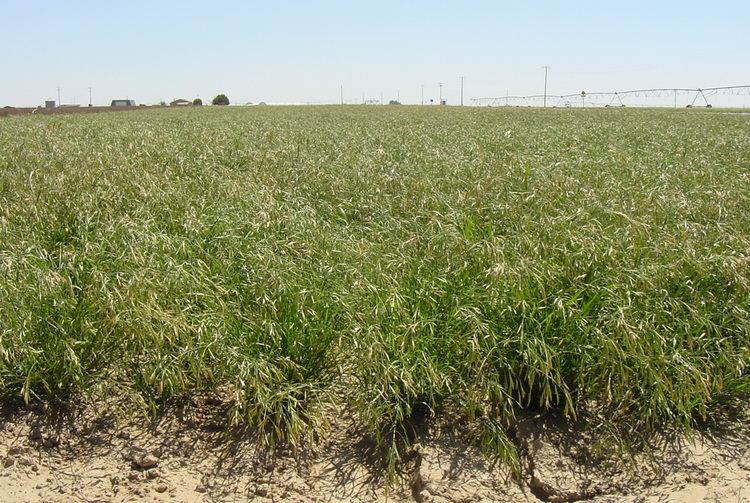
(187, 455)
(6, 112)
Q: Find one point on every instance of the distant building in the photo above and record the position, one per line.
(123, 103)
(180, 103)
(49, 104)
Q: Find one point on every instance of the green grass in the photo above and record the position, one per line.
(395, 261)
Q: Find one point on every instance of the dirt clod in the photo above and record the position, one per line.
(145, 461)
(35, 435)
(15, 450)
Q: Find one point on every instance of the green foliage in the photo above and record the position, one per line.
(400, 263)
(197, 102)
(220, 99)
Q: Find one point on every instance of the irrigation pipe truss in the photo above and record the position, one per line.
(700, 97)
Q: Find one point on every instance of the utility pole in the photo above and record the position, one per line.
(422, 94)
(398, 96)
(89, 96)
(342, 94)
(58, 96)
(546, 69)
(462, 91)
(440, 84)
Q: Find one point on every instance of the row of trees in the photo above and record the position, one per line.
(220, 99)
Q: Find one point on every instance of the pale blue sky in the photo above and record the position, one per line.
(295, 51)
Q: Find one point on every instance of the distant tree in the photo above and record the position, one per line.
(197, 102)
(394, 102)
(221, 99)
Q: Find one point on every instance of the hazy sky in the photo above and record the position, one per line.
(302, 51)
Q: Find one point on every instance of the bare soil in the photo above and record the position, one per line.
(186, 454)
(5, 112)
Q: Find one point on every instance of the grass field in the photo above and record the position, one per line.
(391, 262)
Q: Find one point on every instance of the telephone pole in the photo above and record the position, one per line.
(440, 84)
(342, 94)
(546, 69)
(462, 91)
(58, 96)
(89, 96)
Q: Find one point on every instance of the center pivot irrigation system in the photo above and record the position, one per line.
(660, 97)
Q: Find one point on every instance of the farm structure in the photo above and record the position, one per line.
(123, 103)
